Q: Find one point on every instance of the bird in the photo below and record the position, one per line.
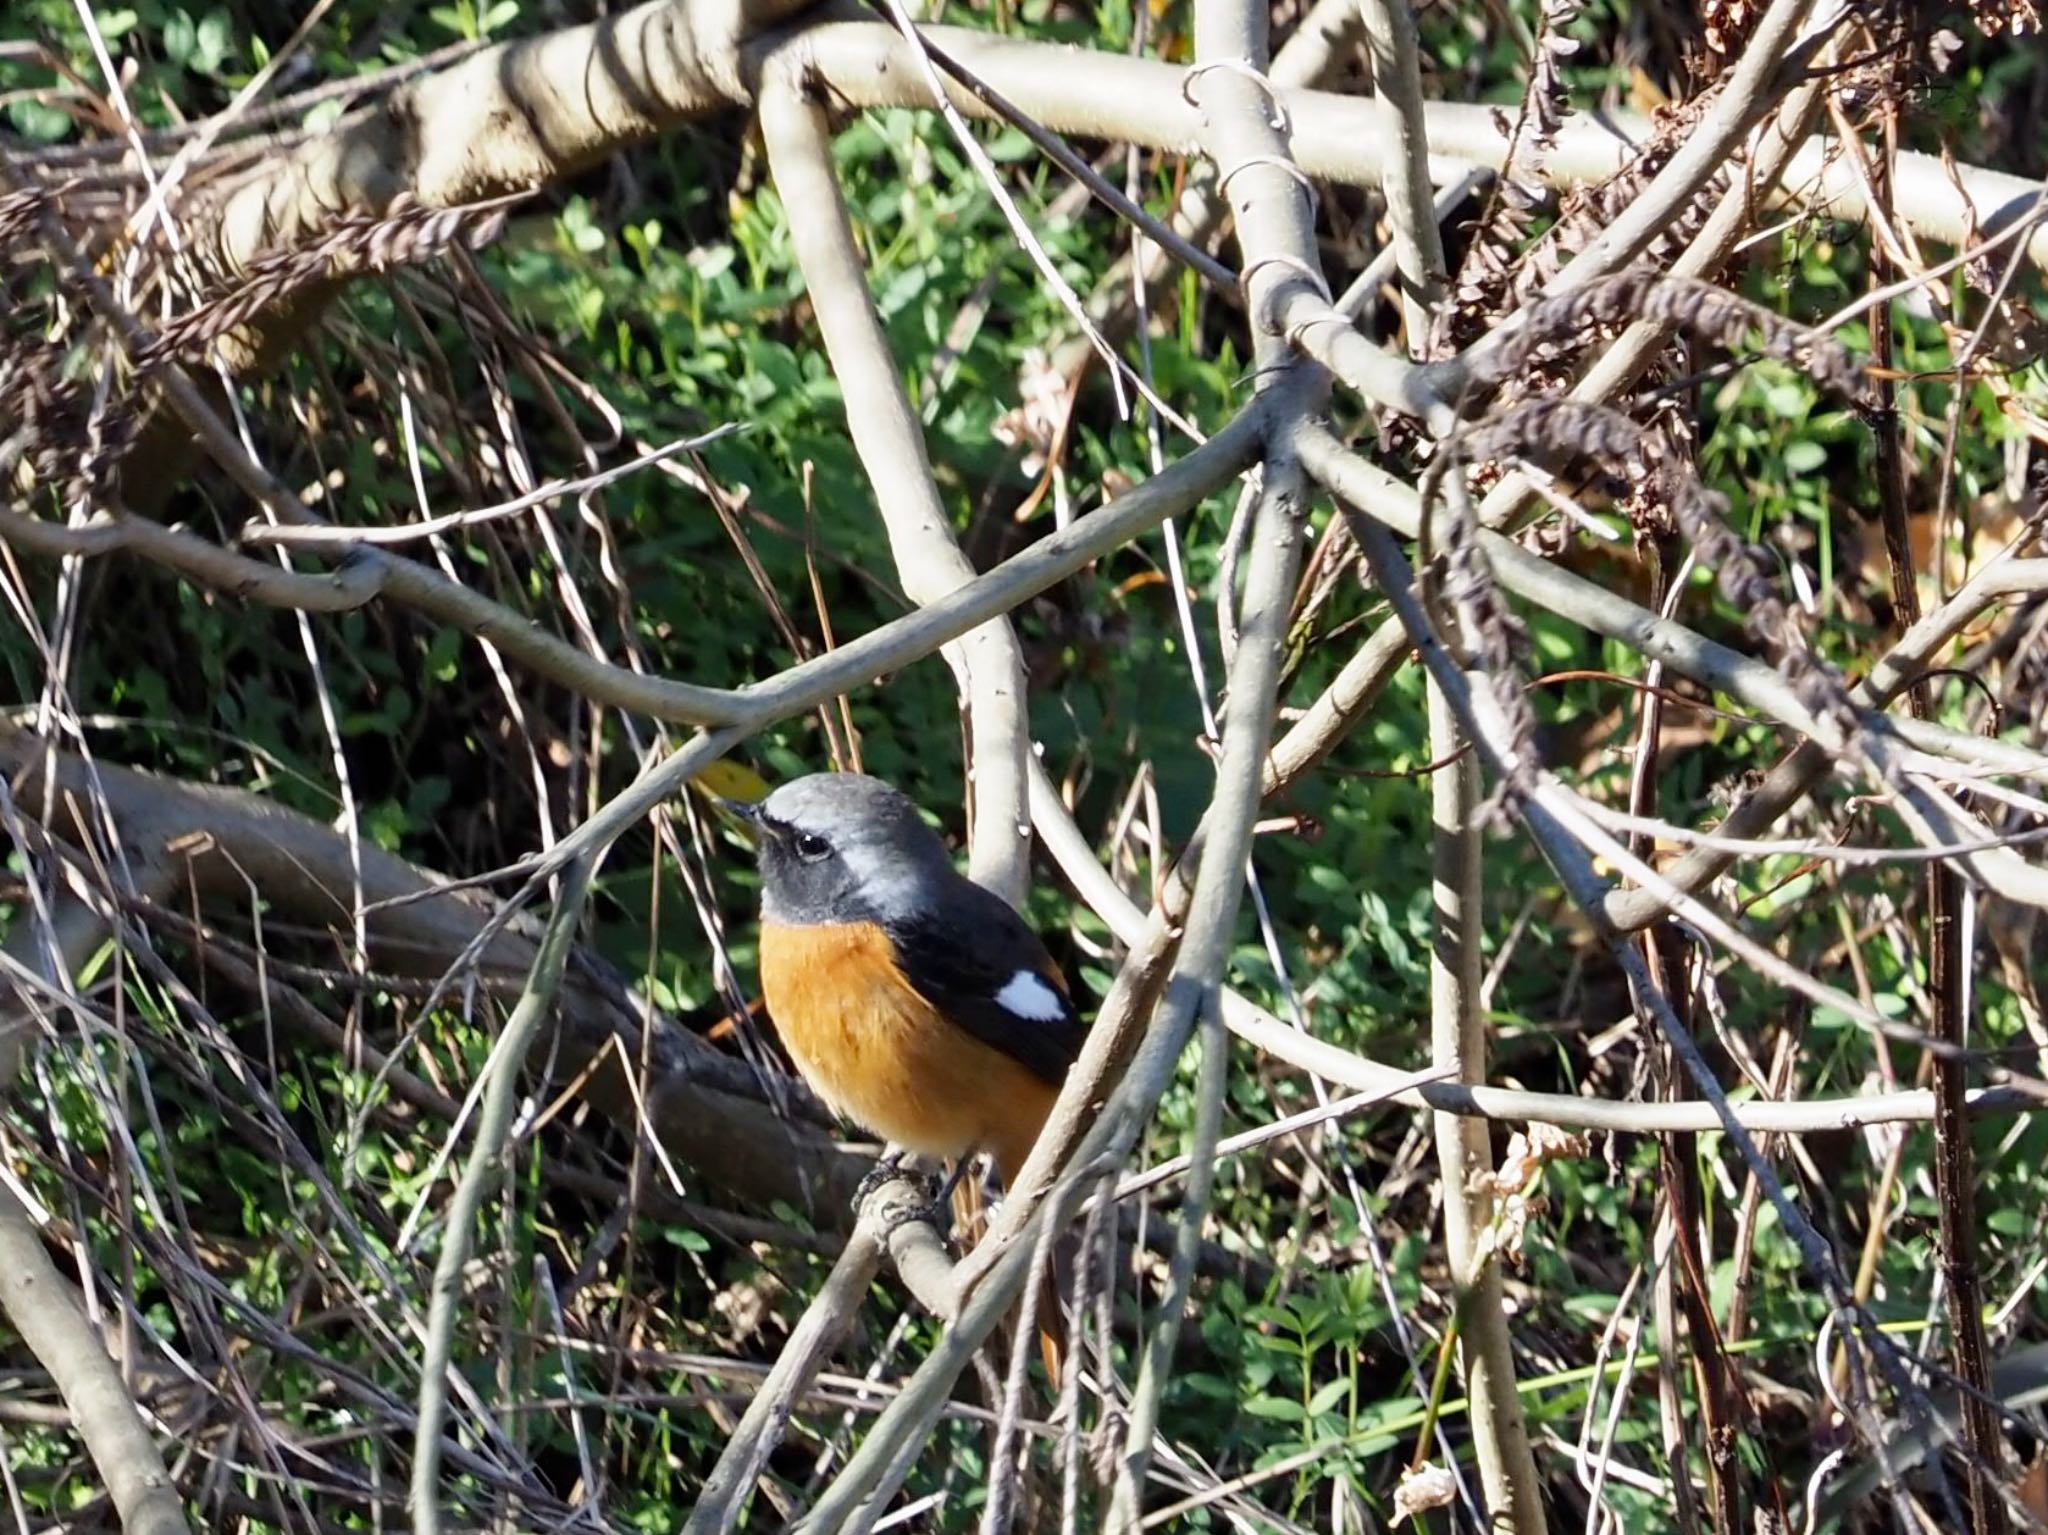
(915, 1002)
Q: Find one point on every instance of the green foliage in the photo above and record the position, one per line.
(667, 289)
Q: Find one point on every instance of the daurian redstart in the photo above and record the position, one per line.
(914, 1002)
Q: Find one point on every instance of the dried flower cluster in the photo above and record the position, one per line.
(1472, 611)
(1726, 23)
(59, 429)
(1710, 315)
(1483, 274)
(19, 212)
(1555, 430)
(1996, 18)
(403, 235)
(1513, 1185)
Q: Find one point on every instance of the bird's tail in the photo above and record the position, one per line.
(1052, 1319)
(970, 1211)
(970, 1220)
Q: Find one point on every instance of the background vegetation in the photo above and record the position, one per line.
(241, 1116)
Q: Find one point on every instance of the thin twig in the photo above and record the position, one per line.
(1275, 218)
(493, 1130)
(826, 1320)
(1949, 954)
(428, 527)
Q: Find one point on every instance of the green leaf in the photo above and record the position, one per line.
(711, 262)
(216, 34)
(43, 124)
(180, 38)
(1277, 1408)
(1327, 1398)
(443, 653)
(1805, 456)
(386, 824)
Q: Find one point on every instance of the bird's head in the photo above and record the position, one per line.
(843, 847)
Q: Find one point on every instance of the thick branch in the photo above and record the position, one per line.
(508, 119)
(529, 114)
(1404, 129)
(41, 1306)
(1319, 47)
(707, 1109)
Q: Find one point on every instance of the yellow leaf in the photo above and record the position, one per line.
(726, 779)
(1644, 94)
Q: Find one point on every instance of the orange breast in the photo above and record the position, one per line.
(876, 1051)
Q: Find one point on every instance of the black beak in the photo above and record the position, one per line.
(739, 809)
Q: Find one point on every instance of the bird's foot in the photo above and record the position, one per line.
(913, 1212)
(888, 1166)
(898, 1212)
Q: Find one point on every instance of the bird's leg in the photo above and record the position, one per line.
(960, 1166)
(933, 1210)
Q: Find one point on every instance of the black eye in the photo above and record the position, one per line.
(811, 847)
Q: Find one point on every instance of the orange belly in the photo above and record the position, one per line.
(877, 1053)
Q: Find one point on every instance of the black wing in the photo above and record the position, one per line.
(979, 964)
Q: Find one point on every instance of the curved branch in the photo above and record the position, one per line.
(339, 591)
(1335, 138)
(510, 118)
(500, 1087)
(890, 442)
(1258, 1028)
(1320, 47)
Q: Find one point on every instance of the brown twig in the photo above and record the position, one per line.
(1949, 964)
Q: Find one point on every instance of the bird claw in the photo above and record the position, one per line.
(886, 1169)
(913, 1212)
(890, 1169)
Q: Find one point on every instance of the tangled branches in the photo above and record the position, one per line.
(403, 235)
(1708, 314)
(502, 711)
(1556, 430)
(72, 420)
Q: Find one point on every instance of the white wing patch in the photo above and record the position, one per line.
(1026, 995)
